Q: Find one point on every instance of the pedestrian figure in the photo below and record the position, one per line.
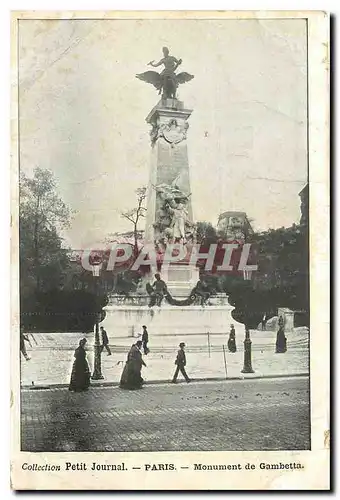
(232, 340)
(80, 376)
(281, 341)
(145, 340)
(105, 341)
(131, 377)
(263, 322)
(24, 338)
(180, 362)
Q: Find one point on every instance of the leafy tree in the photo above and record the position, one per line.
(282, 279)
(205, 233)
(65, 310)
(44, 263)
(42, 214)
(283, 265)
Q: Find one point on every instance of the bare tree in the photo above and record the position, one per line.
(136, 213)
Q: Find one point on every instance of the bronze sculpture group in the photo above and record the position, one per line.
(167, 81)
(172, 224)
(199, 295)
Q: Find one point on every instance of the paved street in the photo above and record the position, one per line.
(269, 414)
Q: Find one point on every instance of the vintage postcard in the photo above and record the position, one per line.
(170, 251)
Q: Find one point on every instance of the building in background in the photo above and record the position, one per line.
(234, 226)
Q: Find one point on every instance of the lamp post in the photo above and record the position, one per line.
(247, 366)
(97, 368)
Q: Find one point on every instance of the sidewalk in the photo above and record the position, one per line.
(52, 358)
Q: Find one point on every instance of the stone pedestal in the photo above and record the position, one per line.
(127, 320)
(180, 279)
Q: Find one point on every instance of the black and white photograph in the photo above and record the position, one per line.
(165, 206)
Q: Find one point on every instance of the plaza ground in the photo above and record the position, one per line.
(269, 414)
(52, 357)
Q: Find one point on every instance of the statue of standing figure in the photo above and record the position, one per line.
(179, 217)
(172, 218)
(167, 81)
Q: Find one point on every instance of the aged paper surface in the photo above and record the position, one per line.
(229, 168)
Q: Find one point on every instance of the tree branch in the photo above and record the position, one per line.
(128, 218)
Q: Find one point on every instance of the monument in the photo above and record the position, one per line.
(169, 209)
(179, 303)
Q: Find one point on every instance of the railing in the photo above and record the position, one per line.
(135, 299)
(202, 348)
(142, 300)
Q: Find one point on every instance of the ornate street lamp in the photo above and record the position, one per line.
(97, 369)
(247, 366)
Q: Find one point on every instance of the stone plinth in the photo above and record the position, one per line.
(180, 279)
(127, 320)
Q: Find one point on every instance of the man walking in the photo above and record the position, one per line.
(105, 341)
(145, 340)
(180, 362)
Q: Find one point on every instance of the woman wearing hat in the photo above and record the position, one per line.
(80, 376)
(131, 377)
(180, 362)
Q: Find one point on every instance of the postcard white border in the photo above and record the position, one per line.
(315, 474)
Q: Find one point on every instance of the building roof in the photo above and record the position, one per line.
(232, 214)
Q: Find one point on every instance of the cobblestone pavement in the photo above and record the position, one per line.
(228, 415)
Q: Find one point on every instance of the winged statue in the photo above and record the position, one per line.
(167, 81)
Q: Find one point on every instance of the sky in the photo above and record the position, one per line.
(82, 115)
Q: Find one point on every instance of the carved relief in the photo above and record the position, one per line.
(172, 222)
(171, 132)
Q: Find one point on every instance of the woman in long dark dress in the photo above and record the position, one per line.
(281, 340)
(80, 376)
(131, 377)
(232, 340)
